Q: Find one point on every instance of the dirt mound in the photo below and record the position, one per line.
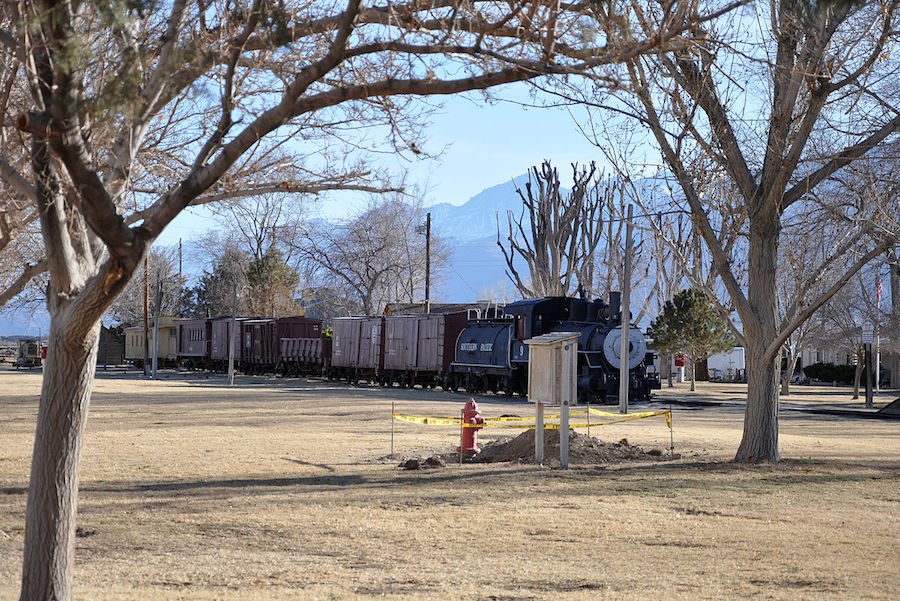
(582, 449)
(421, 464)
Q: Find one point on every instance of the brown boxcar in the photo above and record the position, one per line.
(261, 347)
(192, 342)
(299, 327)
(300, 345)
(218, 353)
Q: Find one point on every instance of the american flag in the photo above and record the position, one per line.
(878, 289)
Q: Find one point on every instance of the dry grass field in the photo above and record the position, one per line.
(284, 489)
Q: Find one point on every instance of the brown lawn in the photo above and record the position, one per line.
(283, 489)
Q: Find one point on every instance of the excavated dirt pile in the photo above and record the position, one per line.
(582, 449)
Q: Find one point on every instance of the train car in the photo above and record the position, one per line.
(305, 356)
(419, 348)
(492, 355)
(483, 358)
(302, 349)
(221, 329)
(30, 353)
(193, 339)
(358, 349)
(111, 348)
(261, 347)
(167, 343)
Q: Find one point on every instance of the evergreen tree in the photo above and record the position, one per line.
(689, 324)
(272, 286)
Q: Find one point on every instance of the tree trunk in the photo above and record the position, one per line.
(793, 354)
(53, 488)
(760, 438)
(786, 380)
(693, 373)
(666, 368)
(857, 376)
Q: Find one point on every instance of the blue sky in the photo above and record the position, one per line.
(484, 145)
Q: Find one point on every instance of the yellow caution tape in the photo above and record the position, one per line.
(430, 420)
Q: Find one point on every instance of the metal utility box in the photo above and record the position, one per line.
(553, 368)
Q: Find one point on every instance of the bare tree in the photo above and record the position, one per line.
(260, 222)
(375, 257)
(128, 309)
(556, 234)
(821, 70)
(129, 113)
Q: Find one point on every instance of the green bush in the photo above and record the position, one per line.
(829, 372)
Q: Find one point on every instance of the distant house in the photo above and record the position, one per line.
(888, 364)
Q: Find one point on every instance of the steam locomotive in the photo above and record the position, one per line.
(480, 352)
(491, 354)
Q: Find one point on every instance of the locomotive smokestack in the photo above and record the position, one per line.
(615, 305)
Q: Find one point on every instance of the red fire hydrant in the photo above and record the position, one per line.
(472, 423)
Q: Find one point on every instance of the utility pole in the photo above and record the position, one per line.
(868, 331)
(156, 326)
(147, 314)
(180, 283)
(231, 337)
(624, 349)
(428, 263)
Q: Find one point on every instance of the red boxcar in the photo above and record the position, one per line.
(221, 327)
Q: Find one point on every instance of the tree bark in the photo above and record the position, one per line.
(693, 373)
(793, 354)
(53, 487)
(857, 375)
(760, 438)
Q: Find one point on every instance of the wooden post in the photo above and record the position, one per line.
(552, 380)
(564, 435)
(539, 433)
(869, 400)
(624, 351)
(156, 326)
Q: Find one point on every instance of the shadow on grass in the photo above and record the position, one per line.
(644, 479)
